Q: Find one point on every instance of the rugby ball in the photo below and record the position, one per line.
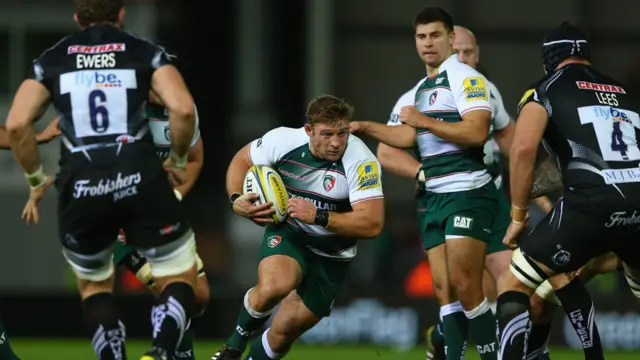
(267, 183)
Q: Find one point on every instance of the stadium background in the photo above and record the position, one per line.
(252, 65)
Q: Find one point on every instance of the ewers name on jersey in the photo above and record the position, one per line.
(447, 96)
(329, 185)
(159, 124)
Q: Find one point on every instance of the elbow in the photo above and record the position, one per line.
(383, 155)
(522, 150)
(480, 137)
(14, 128)
(374, 228)
(185, 110)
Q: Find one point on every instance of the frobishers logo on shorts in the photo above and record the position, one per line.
(121, 187)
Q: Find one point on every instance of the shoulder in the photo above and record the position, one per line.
(357, 152)
(458, 72)
(284, 138)
(408, 98)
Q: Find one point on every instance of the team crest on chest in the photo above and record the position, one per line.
(433, 97)
(328, 182)
(166, 133)
(274, 240)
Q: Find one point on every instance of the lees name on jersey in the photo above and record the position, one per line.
(329, 185)
(447, 96)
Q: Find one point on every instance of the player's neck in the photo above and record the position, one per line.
(116, 25)
(431, 71)
(572, 61)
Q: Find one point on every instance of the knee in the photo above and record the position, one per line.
(443, 292)
(512, 305)
(541, 310)
(466, 285)
(203, 295)
(272, 290)
(87, 288)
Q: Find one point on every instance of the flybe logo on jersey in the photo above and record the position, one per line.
(368, 176)
(97, 79)
(475, 89)
(609, 113)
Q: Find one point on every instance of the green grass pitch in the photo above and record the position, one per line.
(65, 349)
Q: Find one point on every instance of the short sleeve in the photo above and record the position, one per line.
(531, 95)
(36, 71)
(500, 115)
(470, 92)
(161, 57)
(363, 173)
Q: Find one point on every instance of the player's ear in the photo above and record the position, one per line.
(308, 129)
(75, 18)
(121, 16)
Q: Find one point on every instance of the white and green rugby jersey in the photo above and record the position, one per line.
(329, 185)
(159, 125)
(455, 91)
(500, 119)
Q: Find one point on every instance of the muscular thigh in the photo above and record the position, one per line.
(567, 238)
(322, 283)
(282, 257)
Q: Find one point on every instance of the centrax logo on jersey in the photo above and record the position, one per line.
(328, 182)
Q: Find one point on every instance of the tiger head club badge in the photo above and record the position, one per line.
(328, 182)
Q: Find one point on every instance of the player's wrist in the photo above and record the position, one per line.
(179, 161)
(322, 217)
(519, 214)
(233, 197)
(37, 178)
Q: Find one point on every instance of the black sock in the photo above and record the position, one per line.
(170, 316)
(108, 332)
(578, 306)
(538, 340)
(514, 325)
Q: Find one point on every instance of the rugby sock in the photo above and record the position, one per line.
(185, 348)
(108, 332)
(249, 321)
(6, 352)
(437, 336)
(538, 341)
(455, 326)
(514, 324)
(260, 350)
(578, 306)
(482, 328)
(171, 314)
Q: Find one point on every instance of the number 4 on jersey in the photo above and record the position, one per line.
(615, 130)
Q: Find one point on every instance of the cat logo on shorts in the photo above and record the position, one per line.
(328, 182)
(274, 240)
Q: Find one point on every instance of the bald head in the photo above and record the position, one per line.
(466, 45)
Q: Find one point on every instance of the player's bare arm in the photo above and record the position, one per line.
(243, 203)
(504, 138)
(398, 161)
(194, 166)
(30, 102)
(364, 221)
(473, 130)
(546, 178)
(172, 91)
(528, 136)
(402, 136)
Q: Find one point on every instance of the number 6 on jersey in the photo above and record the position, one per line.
(99, 100)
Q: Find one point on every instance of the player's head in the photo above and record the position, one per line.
(91, 12)
(433, 33)
(566, 42)
(466, 45)
(328, 126)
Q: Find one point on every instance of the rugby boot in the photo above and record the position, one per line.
(227, 353)
(435, 348)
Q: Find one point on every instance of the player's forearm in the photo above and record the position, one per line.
(181, 128)
(4, 138)
(193, 171)
(398, 161)
(355, 224)
(237, 171)
(521, 175)
(546, 179)
(401, 136)
(465, 132)
(504, 139)
(22, 140)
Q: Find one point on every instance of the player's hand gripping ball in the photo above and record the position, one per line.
(264, 198)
